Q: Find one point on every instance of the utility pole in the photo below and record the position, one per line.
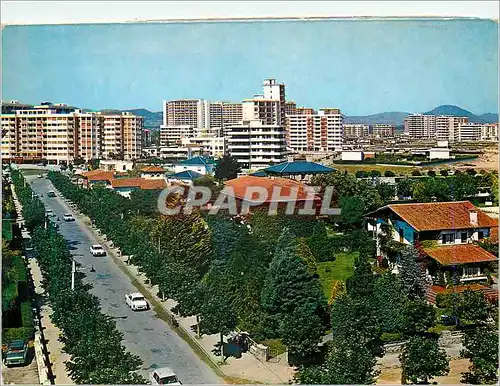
(73, 271)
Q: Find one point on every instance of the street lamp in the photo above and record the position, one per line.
(73, 272)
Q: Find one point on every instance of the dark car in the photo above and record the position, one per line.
(51, 194)
(17, 353)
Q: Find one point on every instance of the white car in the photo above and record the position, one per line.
(97, 250)
(136, 301)
(68, 217)
(49, 213)
(163, 376)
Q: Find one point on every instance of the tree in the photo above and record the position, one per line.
(288, 286)
(473, 307)
(481, 347)
(431, 173)
(444, 172)
(471, 172)
(227, 168)
(422, 360)
(361, 174)
(411, 273)
(404, 187)
(362, 282)
(319, 243)
(389, 301)
(348, 363)
(416, 173)
(418, 317)
(389, 173)
(217, 316)
(352, 210)
(386, 191)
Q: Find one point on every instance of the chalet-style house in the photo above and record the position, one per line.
(447, 233)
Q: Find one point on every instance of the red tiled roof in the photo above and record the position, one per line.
(459, 254)
(98, 175)
(242, 183)
(460, 288)
(152, 169)
(141, 183)
(441, 215)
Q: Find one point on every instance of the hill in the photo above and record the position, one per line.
(391, 118)
(397, 117)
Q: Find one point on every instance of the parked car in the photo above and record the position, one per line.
(68, 217)
(40, 176)
(97, 250)
(51, 194)
(17, 353)
(163, 376)
(136, 301)
(49, 213)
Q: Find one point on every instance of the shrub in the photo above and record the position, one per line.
(391, 337)
(444, 173)
(375, 173)
(361, 174)
(431, 173)
(27, 314)
(389, 173)
(10, 334)
(416, 173)
(443, 300)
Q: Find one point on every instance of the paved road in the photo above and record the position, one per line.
(144, 334)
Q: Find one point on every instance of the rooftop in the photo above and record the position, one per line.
(441, 215)
(152, 169)
(286, 185)
(459, 254)
(186, 175)
(140, 183)
(298, 167)
(198, 161)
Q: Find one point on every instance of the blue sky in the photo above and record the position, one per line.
(362, 67)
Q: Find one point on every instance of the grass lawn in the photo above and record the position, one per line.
(331, 271)
(276, 346)
(399, 170)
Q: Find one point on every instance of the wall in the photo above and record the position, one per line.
(407, 229)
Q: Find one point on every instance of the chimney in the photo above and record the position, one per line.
(473, 218)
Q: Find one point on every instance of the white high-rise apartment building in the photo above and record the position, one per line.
(382, 130)
(421, 126)
(473, 132)
(269, 107)
(321, 132)
(447, 125)
(440, 127)
(255, 144)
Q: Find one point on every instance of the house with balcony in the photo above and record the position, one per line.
(152, 173)
(446, 234)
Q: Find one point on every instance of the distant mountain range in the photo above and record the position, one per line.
(397, 117)
(153, 119)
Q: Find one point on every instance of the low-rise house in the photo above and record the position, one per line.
(185, 177)
(98, 176)
(196, 164)
(446, 233)
(152, 173)
(125, 186)
(116, 165)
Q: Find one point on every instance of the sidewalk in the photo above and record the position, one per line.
(51, 332)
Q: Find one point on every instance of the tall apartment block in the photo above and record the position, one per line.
(473, 132)
(255, 144)
(421, 126)
(57, 135)
(383, 130)
(446, 126)
(305, 111)
(260, 138)
(321, 132)
(356, 130)
(232, 113)
(440, 127)
(290, 108)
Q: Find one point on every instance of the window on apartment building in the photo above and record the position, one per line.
(447, 238)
